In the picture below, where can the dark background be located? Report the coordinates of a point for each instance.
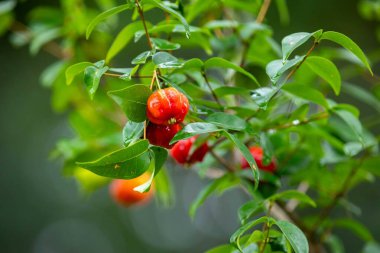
(43, 212)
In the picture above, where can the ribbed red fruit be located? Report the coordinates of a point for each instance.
(167, 106)
(161, 135)
(181, 151)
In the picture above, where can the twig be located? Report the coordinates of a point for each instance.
(211, 90)
(222, 161)
(263, 11)
(141, 14)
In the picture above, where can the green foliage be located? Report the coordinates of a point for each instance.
(253, 91)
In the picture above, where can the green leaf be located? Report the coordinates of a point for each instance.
(44, 37)
(371, 247)
(132, 131)
(348, 44)
(104, 15)
(246, 154)
(218, 185)
(249, 209)
(262, 96)
(193, 129)
(235, 238)
(217, 62)
(295, 236)
(327, 70)
(160, 155)
(123, 38)
(227, 121)
(164, 189)
(92, 76)
(351, 121)
(165, 60)
(133, 101)
(307, 93)
(362, 94)
(162, 44)
(227, 90)
(126, 163)
(335, 244)
(276, 68)
(141, 58)
(145, 187)
(174, 13)
(127, 73)
(293, 41)
(51, 73)
(7, 6)
(352, 148)
(356, 227)
(74, 70)
(293, 194)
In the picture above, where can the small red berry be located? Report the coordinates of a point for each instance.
(181, 151)
(258, 155)
(161, 135)
(122, 190)
(167, 106)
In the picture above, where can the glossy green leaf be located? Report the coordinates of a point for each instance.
(104, 15)
(92, 76)
(42, 38)
(246, 154)
(174, 13)
(160, 156)
(293, 194)
(123, 38)
(127, 73)
(250, 209)
(227, 121)
(262, 96)
(352, 148)
(295, 236)
(348, 44)
(356, 227)
(217, 186)
(162, 44)
(164, 189)
(217, 62)
(362, 94)
(165, 60)
(306, 92)
(7, 6)
(293, 41)
(193, 129)
(327, 70)
(235, 238)
(141, 58)
(352, 122)
(276, 68)
(133, 101)
(132, 132)
(227, 90)
(145, 187)
(372, 247)
(126, 163)
(89, 181)
(74, 70)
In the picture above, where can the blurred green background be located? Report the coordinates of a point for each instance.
(43, 212)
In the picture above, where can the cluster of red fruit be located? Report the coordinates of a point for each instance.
(166, 110)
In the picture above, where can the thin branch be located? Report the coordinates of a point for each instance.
(211, 90)
(141, 14)
(340, 194)
(263, 11)
(222, 161)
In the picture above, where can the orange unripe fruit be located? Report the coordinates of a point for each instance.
(122, 191)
